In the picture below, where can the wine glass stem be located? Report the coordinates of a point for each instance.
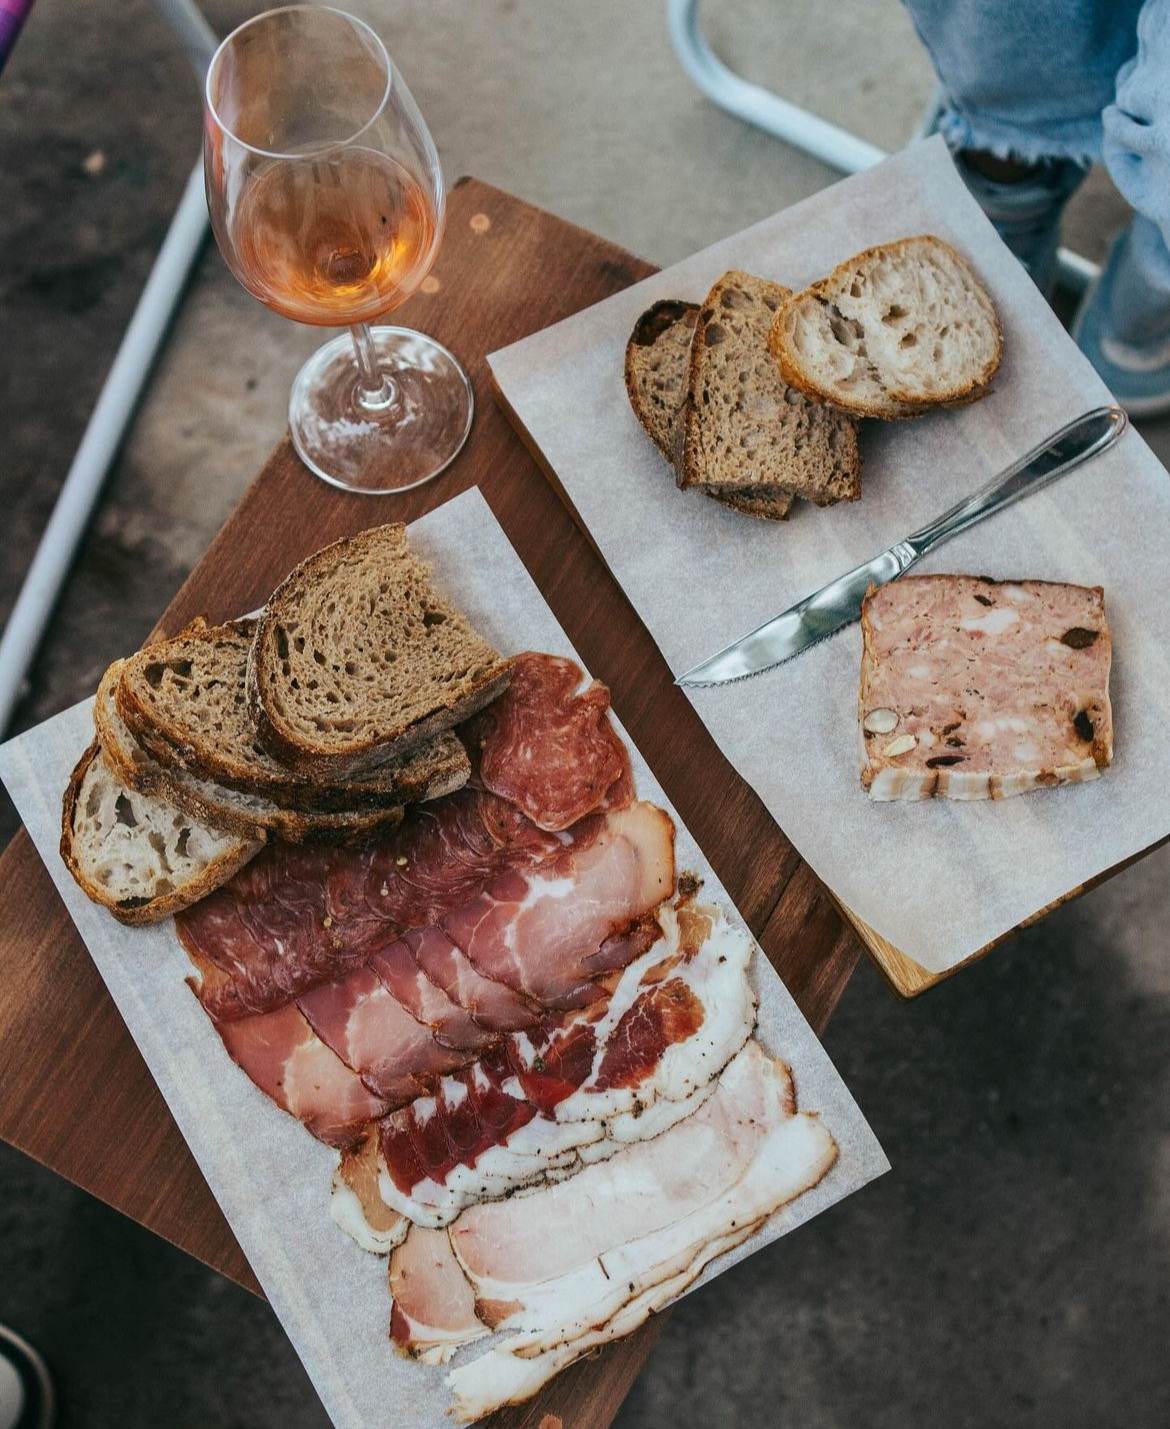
(375, 390)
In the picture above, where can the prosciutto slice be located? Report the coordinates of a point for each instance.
(547, 744)
(289, 1062)
(491, 1005)
(395, 1055)
(544, 932)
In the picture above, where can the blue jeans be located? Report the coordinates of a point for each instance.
(1064, 79)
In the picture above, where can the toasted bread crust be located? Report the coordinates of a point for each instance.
(653, 324)
(136, 912)
(900, 404)
(198, 797)
(362, 754)
(686, 455)
(215, 762)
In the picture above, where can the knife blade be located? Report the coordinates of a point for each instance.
(838, 604)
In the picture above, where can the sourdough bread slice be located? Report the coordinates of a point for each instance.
(657, 359)
(357, 660)
(137, 855)
(742, 430)
(898, 329)
(184, 701)
(248, 815)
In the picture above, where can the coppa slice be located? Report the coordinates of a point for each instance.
(978, 689)
(742, 430)
(357, 659)
(546, 932)
(657, 357)
(304, 916)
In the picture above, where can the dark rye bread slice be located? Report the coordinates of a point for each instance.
(891, 332)
(137, 855)
(357, 659)
(657, 358)
(248, 815)
(184, 700)
(742, 428)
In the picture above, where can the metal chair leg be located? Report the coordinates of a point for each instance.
(116, 402)
(808, 132)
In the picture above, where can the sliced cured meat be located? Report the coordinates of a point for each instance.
(298, 916)
(493, 1005)
(503, 1376)
(507, 1246)
(700, 962)
(289, 1062)
(401, 975)
(547, 745)
(355, 1205)
(433, 1304)
(669, 1034)
(544, 932)
(396, 1056)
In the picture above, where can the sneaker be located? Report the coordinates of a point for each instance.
(26, 1391)
(1025, 203)
(1123, 323)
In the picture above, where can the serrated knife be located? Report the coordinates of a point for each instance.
(838, 604)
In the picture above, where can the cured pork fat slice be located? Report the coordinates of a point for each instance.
(568, 1266)
(979, 689)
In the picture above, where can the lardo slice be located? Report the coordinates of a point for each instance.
(978, 689)
(896, 329)
(657, 358)
(358, 659)
(137, 855)
(744, 431)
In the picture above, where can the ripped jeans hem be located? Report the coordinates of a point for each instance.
(1082, 145)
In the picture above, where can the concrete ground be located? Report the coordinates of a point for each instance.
(1012, 1270)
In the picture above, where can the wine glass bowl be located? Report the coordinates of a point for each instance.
(327, 202)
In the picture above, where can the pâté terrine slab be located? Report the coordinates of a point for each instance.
(973, 688)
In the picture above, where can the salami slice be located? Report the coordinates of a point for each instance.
(548, 746)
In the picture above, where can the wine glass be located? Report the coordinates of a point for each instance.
(327, 203)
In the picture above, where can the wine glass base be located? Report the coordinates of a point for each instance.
(374, 450)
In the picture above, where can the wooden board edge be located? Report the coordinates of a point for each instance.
(909, 979)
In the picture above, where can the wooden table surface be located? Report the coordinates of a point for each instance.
(74, 1092)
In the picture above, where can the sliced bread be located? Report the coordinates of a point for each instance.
(248, 815)
(742, 430)
(657, 360)
(357, 660)
(184, 701)
(139, 856)
(895, 330)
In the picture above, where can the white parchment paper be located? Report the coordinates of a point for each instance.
(271, 1178)
(939, 879)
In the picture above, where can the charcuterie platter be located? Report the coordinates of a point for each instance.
(414, 1061)
(822, 397)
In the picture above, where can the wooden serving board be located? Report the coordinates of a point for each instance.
(74, 1092)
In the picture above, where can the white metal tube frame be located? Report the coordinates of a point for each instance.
(116, 402)
(827, 142)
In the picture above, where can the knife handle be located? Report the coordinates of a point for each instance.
(1085, 437)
